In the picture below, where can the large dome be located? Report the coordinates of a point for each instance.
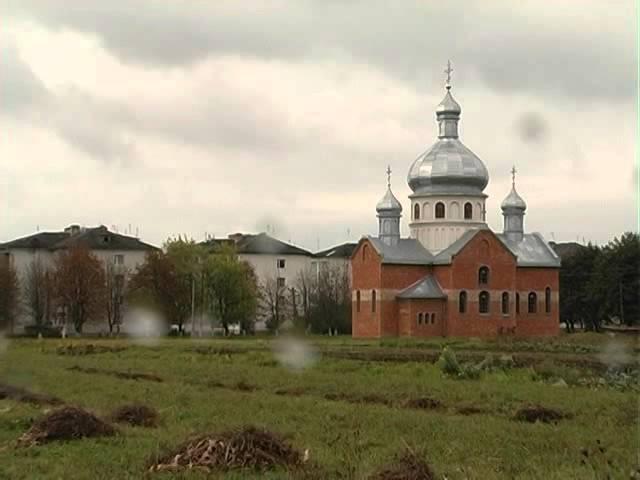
(448, 166)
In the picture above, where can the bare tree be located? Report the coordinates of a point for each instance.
(9, 294)
(115, 293)
(37, 291)
(273, 304)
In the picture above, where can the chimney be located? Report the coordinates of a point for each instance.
(72, 229)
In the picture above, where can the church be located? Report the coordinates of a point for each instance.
(454, 276)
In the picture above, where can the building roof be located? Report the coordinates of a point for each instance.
(98, 238)
(566, 249)
(344, 250)
(427, 287)
(408, 251)
(389, 203)
(532, 251)
(445, 256)
(260, 243)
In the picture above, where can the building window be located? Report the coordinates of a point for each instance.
(440, 210)
(533, 302)
(483, 302)
(483, 275)
(373, 301)
(118, 259)
(281, 282)
(468, 211)
(416, 212)
(505, 303)
(433, 318)
(357, 300)
(462, 302)
(420, 318)
(281, 263)
(517, 303)
(547, 300)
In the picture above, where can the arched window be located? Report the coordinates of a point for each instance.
(433, 318)
(505, 303)
(483, 302)
(357, 300)
(533, 302)
(439, 210)
(462, 302)
(420, 318)
(454, 210)
(373, 300)
(517, 303)
(547, 300)
(483, 275)
(365, 251)
(416, 212)
(468, 211)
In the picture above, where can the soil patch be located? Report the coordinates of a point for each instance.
(371, 398)
(244, 387)
(248, 448)
(135, 414)
(536, 413)
(66, 423)
(424, 403)
(114, 373)
(22, 395)
(292, 392)
(406, 467)
(88, 349)
(470, 410)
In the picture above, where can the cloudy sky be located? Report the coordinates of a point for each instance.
(193, 117)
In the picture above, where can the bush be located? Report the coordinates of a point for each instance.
(48, 331)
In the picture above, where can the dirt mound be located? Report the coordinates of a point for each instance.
(250, 448)
(406, 467)
(22, 395)
(371, 398)
(66, 423)
(293, 392)
(424, 403)
(469, 410)
(126, 375)
(135, 414)
(244, 386)
(536, 413)
(88, 349)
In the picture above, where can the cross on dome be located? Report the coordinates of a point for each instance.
(448, 71)
(513, 176)
(389, 176)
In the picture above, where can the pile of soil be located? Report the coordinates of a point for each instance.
(22, 395)
(66, 423)
(424, 403)
(135, 414)
(244, 386)
(469, 410)
(126, 375)
(88, 349)
(249, 448)
(406, 467)
(292, 392)
(536, 413)
(370, 398)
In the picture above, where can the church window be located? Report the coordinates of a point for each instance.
(439, 210)
(547, 300)
(420, 318)
(505, 303)
(483, 302)
(462, 302)
(483, 275)
(373, 301)
(468, 211)
(365, 251)
(533, 302)
(416, 212)
(517, 303)
(433, 318)
(358, 301)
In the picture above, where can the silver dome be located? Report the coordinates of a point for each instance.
(389, 204)
(448, 104)
(513, 200)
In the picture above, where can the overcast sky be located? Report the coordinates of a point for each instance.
(193, 117)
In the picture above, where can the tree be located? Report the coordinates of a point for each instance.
(231, 289)
(79, 284)
(9, 295)
(330, 303)
(273, 304)
(114, 298)
(577, 304)
(37, 291)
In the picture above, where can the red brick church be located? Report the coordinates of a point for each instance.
(454, 276)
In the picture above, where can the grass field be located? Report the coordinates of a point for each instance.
(348, 408)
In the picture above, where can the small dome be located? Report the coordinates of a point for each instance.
(448, 104)
(513, 200)
(389, 204)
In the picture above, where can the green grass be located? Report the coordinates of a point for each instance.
(485, 446)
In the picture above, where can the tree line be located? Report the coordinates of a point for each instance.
(183, 284)
(600, 285)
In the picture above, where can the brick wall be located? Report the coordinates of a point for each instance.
(541, 323)
(365, 268)
(408, 320)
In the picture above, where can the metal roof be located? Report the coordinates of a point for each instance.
(389, 203)
(427, 287)
(344, 250)
(260, 243)
(408, 251)
(532, 251)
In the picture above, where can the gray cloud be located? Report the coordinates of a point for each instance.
(20, 88)
(526, 53)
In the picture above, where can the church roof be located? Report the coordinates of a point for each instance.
(532, 251)
(513, 200)
(446, 256)
(408, 251)
(344, 250)
(389, 203)
(427, 287)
